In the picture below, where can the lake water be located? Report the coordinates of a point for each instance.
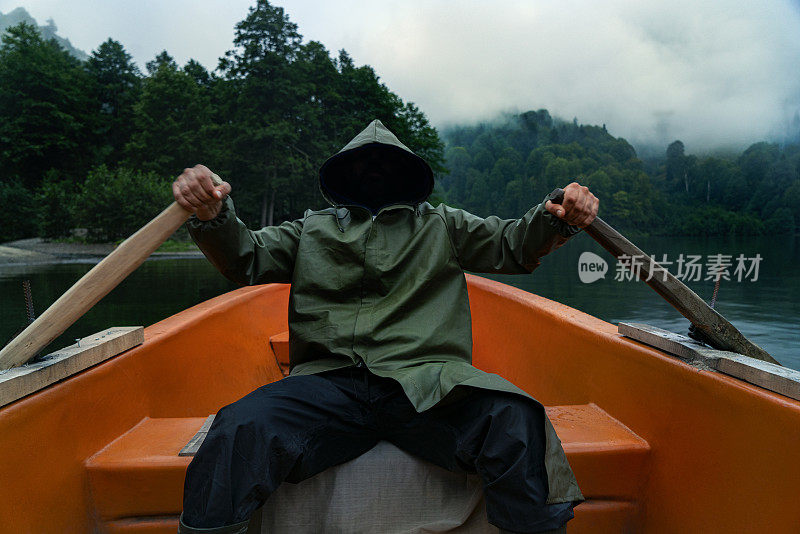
(766, 310)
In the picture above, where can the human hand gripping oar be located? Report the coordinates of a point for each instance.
(722, 334)
(202, 195)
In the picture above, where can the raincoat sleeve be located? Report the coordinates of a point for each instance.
(245, 256)
(495, 245)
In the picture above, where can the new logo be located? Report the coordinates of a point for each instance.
(591, 267)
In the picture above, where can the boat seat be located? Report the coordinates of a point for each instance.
(137, 483)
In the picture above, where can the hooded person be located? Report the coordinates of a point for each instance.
(380, 346)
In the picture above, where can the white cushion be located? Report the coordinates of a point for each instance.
(383, 491)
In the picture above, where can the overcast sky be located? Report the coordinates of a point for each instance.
(713, 74)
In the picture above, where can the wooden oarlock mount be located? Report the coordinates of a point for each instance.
(767, 375)
(20, 381)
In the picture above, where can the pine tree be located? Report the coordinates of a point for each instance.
(171, 119)
(45, 114)
(262, 127)
(117, 85)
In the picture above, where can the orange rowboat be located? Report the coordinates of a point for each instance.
(657, 445)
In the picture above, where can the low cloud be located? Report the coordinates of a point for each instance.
(713, 74)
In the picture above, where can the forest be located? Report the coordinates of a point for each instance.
(506, 166)
(95, 143)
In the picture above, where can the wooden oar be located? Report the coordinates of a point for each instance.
(93, 286)
(722, 334)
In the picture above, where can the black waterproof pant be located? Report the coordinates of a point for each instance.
(296, 427)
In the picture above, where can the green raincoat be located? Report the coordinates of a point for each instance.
(389, 290)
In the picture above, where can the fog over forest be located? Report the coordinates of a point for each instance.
(279, 103)
(715, 75)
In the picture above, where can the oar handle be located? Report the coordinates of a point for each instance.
(719, 330)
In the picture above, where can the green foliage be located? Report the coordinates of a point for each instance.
(264, 133)
(714, 221)
(782, 221)
(507, 168)
(45, 119)
(756, 161)
(290, 105)
(791, 201)
(117, 86)
(752, 194)
(767, 196)
(277, 107)
(17, 211)
(677, 172)
(113, 204)
(172, 119)
(55, 201)
(271, 114)
(173, 245)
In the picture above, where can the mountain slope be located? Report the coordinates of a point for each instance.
(48, 32)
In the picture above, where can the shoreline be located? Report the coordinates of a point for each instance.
(37, 251)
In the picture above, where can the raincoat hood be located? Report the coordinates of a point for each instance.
(405, 178)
